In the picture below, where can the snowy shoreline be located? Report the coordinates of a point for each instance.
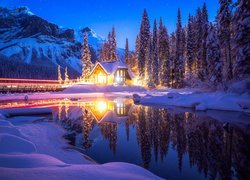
(32, 149)
(201, 101)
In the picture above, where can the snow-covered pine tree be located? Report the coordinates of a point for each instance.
(204, 44)
(144, 36)
(136, 62)
(190, 48)
(86, 58)
(172, 50)
(155, 67)
(104, 52)
(164, 55)
(66, 80)
(149, 74)
(242, 39)
(59, 74)
(178, 63)
(113, 55)
(183, 50)
(224, 19)
(127, 53)
(215, 63)
(198, 44)
(108, 47)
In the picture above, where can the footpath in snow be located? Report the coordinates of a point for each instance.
(33, 148)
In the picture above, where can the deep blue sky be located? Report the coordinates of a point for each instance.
(101, 15)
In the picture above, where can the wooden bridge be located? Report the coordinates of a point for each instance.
(8, 85)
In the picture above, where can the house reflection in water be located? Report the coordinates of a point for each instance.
(109, 110)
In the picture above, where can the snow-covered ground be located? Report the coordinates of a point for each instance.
(78, 91)
(35, 149)
(200, 101)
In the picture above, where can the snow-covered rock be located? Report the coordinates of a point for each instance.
(136, 98)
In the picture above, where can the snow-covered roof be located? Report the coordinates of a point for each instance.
(111, 67)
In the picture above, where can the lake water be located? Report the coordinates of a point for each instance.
(173, 143)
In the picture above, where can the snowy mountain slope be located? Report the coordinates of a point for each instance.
(27, 38)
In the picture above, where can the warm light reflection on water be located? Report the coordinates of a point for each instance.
(172, 143)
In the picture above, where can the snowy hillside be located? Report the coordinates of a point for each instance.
(27, 38)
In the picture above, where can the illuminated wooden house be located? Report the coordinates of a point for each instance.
(107, 73)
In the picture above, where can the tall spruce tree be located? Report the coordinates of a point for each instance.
(104, 52)
(190, 48)
(242, 39)
(179, 62)
(165, 68)
(144, 40)
(164, 55)
(172, 49)
(149, 64)
(86, 58)
(127, 53)
(135, 63)
(155, 67)
(224, 19)
(198, 45)
(113, 55)
(203, 73)
(215, 63)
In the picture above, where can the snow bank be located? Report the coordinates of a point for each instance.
(29, 161)
(201, 101)
(105, 171)
(14, 144)
(44, 156)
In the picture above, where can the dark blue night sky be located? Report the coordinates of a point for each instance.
(101, 15)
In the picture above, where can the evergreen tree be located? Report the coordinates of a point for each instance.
(127, 53)
(242, 39)
(136, 62)
(155, 67)
(112, 43)
(198, 45)
(66, 80)
(215, 63)
(224, 19)
(190, 47)
(178, 63)
(104, 52)
(86, 58)
(144, 39)
(164, 55)
(172, 50)
(59, 75)
(149, 64)
(204, 44)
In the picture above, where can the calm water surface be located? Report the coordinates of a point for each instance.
(171, 143)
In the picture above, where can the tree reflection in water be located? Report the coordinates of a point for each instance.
(216, 151)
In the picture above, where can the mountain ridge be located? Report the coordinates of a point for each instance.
(30, 39)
